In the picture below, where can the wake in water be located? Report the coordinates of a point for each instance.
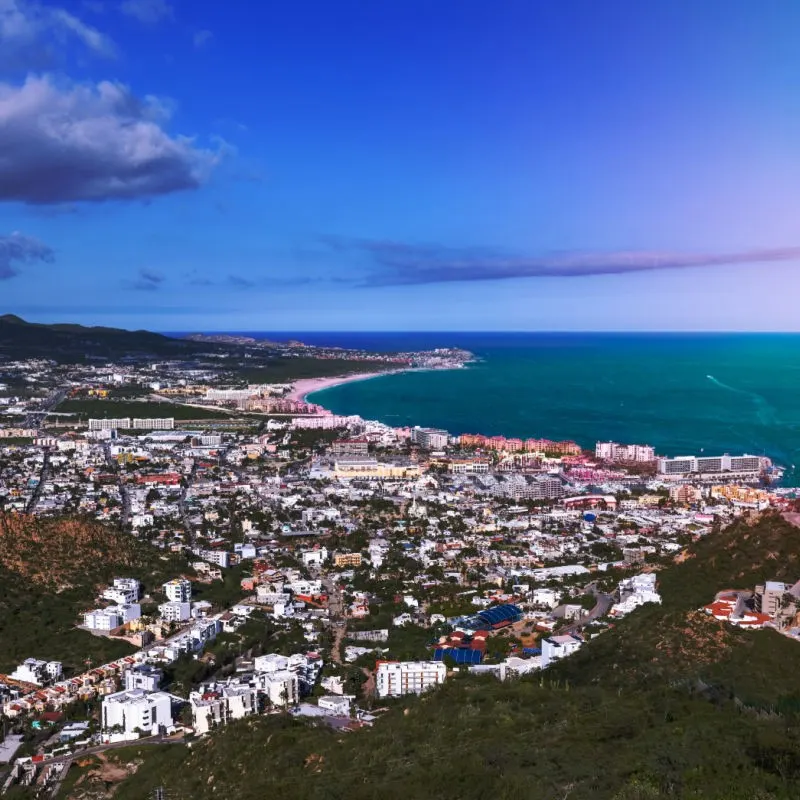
(765, 413)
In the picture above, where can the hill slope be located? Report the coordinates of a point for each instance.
(50, 571)
(21, 339)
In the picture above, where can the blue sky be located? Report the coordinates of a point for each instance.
(401, 165)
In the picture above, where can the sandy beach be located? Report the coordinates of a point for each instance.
(304, 387)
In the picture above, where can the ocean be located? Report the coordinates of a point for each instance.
(681, 393)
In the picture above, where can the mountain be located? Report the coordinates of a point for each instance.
(68, 342)
(668, 704)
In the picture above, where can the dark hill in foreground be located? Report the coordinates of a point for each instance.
(667, 705)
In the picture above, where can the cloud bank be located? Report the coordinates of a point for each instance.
(398, 263)
(16, 250)
(148, 11)
(147, 281)
(91, 142)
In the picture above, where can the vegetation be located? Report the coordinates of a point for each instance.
(50, 571)
(123, 408)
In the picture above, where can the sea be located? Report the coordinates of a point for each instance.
(685, 394)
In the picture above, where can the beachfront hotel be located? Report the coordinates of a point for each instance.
(744, 465)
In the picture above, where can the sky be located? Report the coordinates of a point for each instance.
(183, 165)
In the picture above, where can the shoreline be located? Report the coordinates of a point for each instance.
(302, 389)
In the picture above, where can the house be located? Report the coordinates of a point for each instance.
(135, 710)
(37, 672)
(399, 678)
(218, 705)
(556, 647)
(142, 676)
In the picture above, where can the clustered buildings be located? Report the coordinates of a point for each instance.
(318, 514)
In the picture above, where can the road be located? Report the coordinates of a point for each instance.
(35, 419)
(337, 618)
(101, 748)
(124, 494)
(37, 492)
(601, 608)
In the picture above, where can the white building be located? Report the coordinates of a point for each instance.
(745, 465)
(175, 612)
(556, 647)
(122, 591)
(142, 676)
(315, 557)
(281, 687)
(37, 672)
(430, 438)
(398, 678)
(178, 590)
(635, 592)
(611, 451)
(137, 710)
(218, 705)
(107, 619)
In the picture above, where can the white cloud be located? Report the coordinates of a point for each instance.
(30, 33)
(92, 142)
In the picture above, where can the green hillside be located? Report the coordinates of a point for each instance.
(50, 571)
(669, 704)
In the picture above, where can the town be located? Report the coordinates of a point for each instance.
(326, 565)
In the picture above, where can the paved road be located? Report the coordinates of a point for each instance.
(37, 492)
(35, 419)
(601, 608)
(101, 748)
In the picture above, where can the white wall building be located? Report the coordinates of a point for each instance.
(142, 676)
(123, 590)
(219, 705)
(175, 612)
(398, 678)
(136, 709)
(178, 590)
(611, 451)
(556, 647)
(37, 672)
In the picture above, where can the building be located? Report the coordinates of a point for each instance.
(430, 438)
(399, 678)
(178, 590)
(347, 560)
(37, 672)
(556, 647)
(217, 705)
(280, 687)
(122, 591)
(350, 447)
(611, 451)
(137, 711)
(175, 612)
(769, 596)
(107, 619)
(468, 466)
(685, 493)
(358, 467)
(142, 676)
(126, 423)
(744, 466)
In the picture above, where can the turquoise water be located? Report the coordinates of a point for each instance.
(679, 392)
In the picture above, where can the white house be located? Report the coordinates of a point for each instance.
(37, 672)
(398, 678)
(137, 710)
(175, 612)
(281, 687)
(219, 705)
(123, 591)
(556, 647)
(142, 676)
(178, 590)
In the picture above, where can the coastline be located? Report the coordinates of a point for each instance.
(307, 386)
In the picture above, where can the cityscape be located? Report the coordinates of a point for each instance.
(399, 399)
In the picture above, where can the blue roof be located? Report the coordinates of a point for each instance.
(460, 656)
(505, 613)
